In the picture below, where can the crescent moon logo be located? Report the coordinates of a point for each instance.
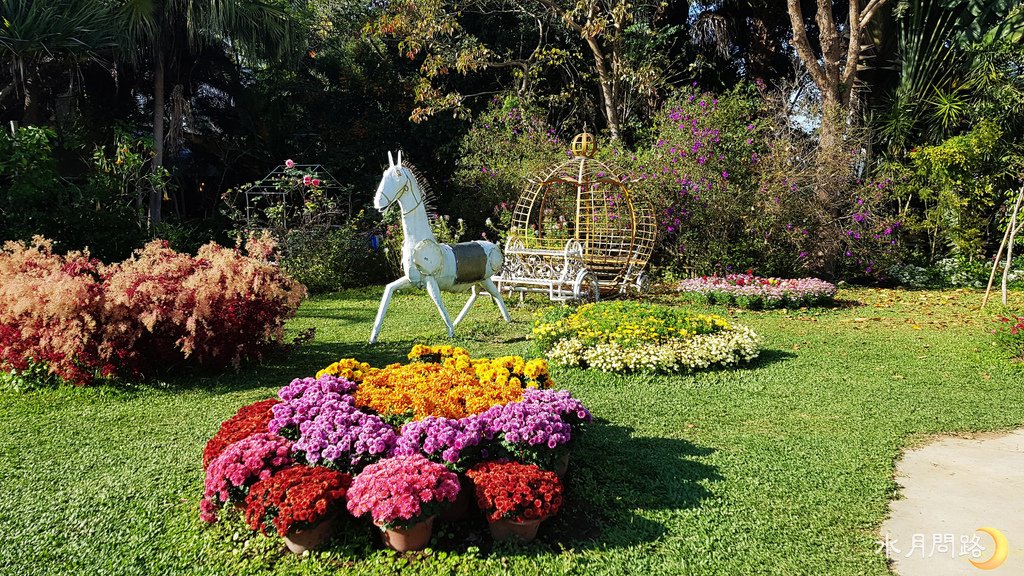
(999, 555)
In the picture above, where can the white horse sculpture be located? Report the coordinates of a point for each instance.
(426, 262)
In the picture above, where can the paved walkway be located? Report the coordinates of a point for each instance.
(950, 489)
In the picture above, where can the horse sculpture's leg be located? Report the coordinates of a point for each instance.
(384, 301)
(465, 309)
(435, 293)
(488, 285)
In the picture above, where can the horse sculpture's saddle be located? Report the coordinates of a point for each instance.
(470, 262)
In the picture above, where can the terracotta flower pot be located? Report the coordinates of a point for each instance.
(415, 537)
(298, 541)
(502, 530)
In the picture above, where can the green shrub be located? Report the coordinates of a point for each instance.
(334, 259)
(1010, 334)
(97, 212)
(507, 144)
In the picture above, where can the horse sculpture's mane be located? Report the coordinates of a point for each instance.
(428, 192)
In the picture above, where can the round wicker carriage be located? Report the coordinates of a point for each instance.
(586, 203)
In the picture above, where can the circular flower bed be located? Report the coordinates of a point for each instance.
(390, 443)
(754, 292)
(630, 336)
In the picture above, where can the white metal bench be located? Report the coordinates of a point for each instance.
(561, 274)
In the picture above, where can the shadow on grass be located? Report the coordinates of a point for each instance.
(769, 357)
(612, 474)
(277, 368)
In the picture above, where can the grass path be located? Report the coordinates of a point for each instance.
(782, 467)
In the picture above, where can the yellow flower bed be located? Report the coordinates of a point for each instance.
(441, 381)
(626, 336)
(349, 369)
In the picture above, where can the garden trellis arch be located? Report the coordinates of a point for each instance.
(282, 185)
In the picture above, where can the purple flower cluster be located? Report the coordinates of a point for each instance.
(444, 439)
(342, 436)
(529, 424)
(542, 421)
(560, 402)
(304, 399)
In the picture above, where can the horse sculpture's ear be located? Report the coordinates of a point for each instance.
(391, 160)
(399, 157)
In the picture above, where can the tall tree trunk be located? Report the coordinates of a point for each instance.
(30, 114)
(156, 195)
(836, 72)
(607, 82)
(833, 120)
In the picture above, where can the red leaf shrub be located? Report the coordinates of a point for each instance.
(50, 310)
(514, 491)
(80, 318)
(296, 498)
(250, 419)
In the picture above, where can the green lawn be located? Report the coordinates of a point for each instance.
(781, 467)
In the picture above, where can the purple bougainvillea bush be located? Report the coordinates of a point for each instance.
(755, 292)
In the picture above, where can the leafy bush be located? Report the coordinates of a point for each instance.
(82, 319)
(507, 144)
(952, 192)
(737, 185)
(51, 306)
(333, 259)
(699, 172)
(1010, 334)
(955, 271)
(97, 211)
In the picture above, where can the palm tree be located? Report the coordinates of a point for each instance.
(35, 35)
(153, 31)
(941, 75)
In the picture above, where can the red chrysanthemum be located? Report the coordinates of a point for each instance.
(296, 498)
(249, 420)
(514, 491)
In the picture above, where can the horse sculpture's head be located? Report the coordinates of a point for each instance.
(393, 182)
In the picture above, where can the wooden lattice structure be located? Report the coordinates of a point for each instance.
(588, 201)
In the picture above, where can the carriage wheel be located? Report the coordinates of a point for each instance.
(640, 285)
(586, 287)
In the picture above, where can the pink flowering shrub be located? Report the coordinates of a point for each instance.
(402, 491)
(241, 465)
(80, 319)
(216, 309)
